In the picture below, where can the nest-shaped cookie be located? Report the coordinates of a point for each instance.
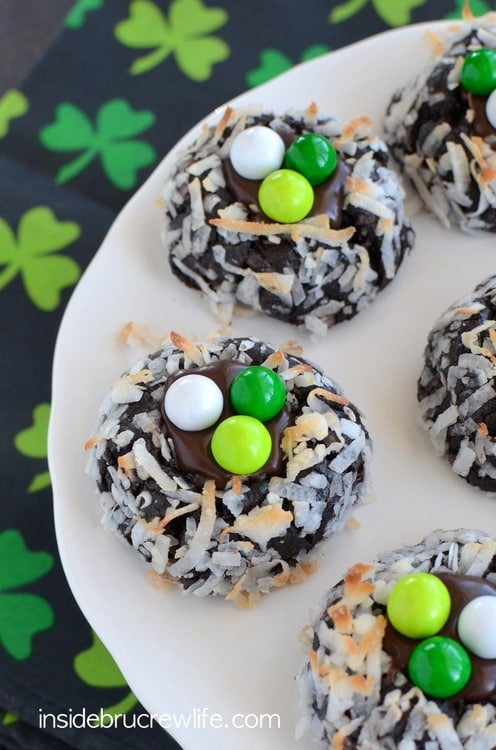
(457, 386)
(351, 694)
(308, 274)
(432, 130)
(257, 532)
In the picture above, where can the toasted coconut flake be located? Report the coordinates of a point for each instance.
(176, 513)
(187, 347)
(274, 360)
(159, 580)
(143, 376)
(126, 462)
(329, 396)
(135, 335)
(317, 232)
(438, 45)
(223, 122)
(261, 524)
(91, 443)
(279, 284)
(354, 126)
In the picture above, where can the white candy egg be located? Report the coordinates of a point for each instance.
(491, 109)
(477, 626)
(193, 402)
(256, 152)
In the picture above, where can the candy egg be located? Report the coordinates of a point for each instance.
(193, 402)
(257, 392)
(241, 444)
(313, 156)
(285, 196)
(477, 626)
(419, 605)
(256, 152)
(478, 73)
(491, 109)
(439, 666)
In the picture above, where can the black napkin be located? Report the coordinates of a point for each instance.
(120, 85)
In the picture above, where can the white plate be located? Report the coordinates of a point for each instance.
(183, 655)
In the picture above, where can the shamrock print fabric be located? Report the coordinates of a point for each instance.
(122, 82)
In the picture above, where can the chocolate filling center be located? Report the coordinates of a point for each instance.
(462, 589)
(192, 449)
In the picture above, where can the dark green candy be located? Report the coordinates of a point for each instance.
(439, 666)
(313, 156)
(478, 74)
(257, 392)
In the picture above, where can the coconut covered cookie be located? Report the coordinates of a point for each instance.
(457, 386)
(226, 464)
(442, 128)
(296, 215)
(401, 653)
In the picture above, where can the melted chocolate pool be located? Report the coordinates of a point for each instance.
(462, 589)
(192, 449)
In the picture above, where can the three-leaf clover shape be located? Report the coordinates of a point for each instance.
(22, 614)
(33, 254)
(96, 667)
(32, 442)
(185, 33)
(392, 12)
(112, 139)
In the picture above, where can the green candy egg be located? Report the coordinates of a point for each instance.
(285, 196)
(419, 605)
(439, 666)
(241, 444)
(313, 156)
(258, 392)
(479, 71)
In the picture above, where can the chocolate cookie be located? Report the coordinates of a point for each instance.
(456, 388)
(365, 684)
(243, 241)
(229, 490)
(442, 128)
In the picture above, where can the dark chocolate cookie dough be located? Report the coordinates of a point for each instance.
(456, 388)
(313, 273)
(438, 131)
(207, 530)
(356, 694)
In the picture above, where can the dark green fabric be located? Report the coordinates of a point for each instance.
(120, 85)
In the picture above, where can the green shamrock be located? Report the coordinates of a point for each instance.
(77, 15)
(96, 667)
(32, 442)
(478, 8)
(112, 140)
(183, 33)
(31, 254)
(22, 615)
(392, 12)
(273, 62)
(12, 104)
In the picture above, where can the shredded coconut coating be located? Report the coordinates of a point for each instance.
(457, 386)
(429, 127)
(351, 696)
(258, 532)
(307, 274)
